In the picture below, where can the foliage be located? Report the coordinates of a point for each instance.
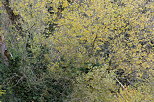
(78, 50)
(132, 95)
(95, 86)
(2, 92)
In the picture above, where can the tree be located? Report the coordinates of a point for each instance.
(102, 49)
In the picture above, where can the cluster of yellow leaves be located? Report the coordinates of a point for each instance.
(1, 91)
(87, 26)
(132, 95)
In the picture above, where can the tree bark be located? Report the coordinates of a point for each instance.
(14, 18)
(6, 56)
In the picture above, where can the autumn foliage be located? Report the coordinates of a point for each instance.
(78, 50)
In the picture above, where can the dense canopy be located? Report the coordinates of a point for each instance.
(76, 51)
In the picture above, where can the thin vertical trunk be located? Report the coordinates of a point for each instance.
(6, 56)
(14, 18)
